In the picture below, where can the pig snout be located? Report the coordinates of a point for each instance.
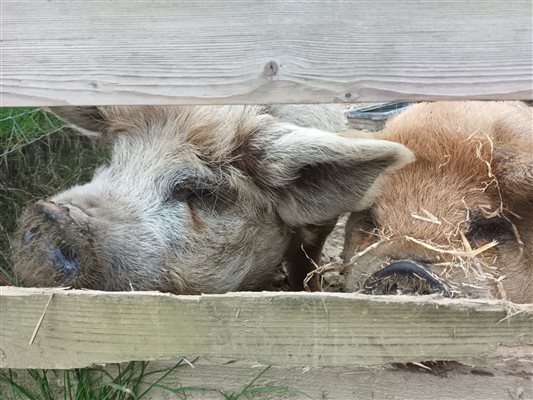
(51, 211)
(44, 249)
(394, 276)
(62, 256)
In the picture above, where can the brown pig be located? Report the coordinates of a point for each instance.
(201, 199)
(459, 220)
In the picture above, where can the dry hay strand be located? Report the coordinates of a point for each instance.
(469, 253)
(466, 271)
(339, 267)
(399, 284)
(465, 275)
(470, 260)
(476, 275)
(368, 249)
(321, 272)
(501, 211)
(428, 218)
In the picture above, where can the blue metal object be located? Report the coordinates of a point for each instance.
(376, 112)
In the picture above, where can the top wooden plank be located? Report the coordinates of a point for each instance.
(244, 51)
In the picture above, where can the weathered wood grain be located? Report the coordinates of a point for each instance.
(510, 380)
(246, 51)
(445, 381)
(80, 328)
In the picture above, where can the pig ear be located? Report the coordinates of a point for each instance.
(89, 120)
(319, 175)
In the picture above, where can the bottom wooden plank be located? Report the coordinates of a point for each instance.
(54, 328)
(213, 379)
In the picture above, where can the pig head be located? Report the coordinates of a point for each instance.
(459, 220)
(200, 199)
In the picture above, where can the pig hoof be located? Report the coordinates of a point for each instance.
(405, 277)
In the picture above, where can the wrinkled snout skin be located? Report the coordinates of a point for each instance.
(463, 210)
(201, 199)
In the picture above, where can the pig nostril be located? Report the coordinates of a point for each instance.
(407, 269)
(50, 210)
(29, 235)
(64, 258)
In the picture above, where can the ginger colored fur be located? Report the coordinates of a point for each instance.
(474, 175)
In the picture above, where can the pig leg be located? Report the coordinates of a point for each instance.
(302, 261)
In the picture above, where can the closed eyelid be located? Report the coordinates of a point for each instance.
(496, 226)
(192, 183)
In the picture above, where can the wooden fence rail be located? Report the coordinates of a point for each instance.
(272, 51)
(55, 328)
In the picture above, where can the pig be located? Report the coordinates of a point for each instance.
(201, 199)
(459, 220)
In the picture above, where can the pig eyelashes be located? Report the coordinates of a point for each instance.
(188, 194)
(202, 196)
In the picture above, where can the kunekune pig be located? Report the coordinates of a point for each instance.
(201, 199)
(459, 220)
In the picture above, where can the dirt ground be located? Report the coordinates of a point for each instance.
(334, 243)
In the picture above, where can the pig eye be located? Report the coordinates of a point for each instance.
(496, 228)
(188, 194)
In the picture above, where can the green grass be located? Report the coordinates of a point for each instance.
(135, 381)
(131, 382)
(20, 125)
(38, 157)
(251, 389)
